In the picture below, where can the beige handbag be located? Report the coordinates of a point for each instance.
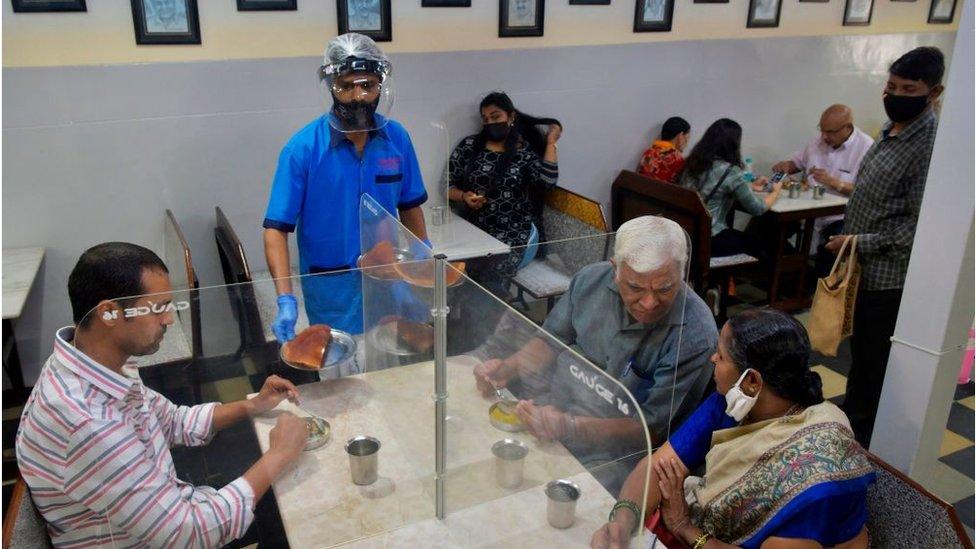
(832, 313)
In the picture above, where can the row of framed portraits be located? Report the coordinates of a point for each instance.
(178, 21)
(765, 13)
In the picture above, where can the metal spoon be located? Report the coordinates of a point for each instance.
(506, 399)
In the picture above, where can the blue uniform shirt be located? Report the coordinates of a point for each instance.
(317, 190)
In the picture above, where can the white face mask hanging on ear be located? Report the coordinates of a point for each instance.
(737, 403)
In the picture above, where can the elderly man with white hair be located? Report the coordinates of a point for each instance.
(635, 318)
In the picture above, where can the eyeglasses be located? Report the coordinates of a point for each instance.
(832, 132)
(367, 86)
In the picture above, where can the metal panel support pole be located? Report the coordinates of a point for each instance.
(440, 312)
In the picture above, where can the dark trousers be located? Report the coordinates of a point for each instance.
(875, 313)
(731, 242)
(825, 259)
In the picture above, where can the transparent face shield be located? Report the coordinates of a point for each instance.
(358, 94)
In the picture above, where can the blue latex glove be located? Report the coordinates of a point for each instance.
(427, 243)
(284, 324)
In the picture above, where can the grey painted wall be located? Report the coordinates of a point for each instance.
(97, 153)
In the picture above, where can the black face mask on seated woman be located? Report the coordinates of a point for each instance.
(496, 131)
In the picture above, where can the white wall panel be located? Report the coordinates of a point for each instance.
(97, 153)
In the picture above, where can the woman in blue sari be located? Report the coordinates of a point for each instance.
(781, 467)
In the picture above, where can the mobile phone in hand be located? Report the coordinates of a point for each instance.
(777, 177)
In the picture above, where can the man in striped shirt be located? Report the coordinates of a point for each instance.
(93, 444)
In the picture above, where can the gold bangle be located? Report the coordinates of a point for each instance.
(702, 540)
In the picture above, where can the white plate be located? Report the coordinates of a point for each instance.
(317, 440)
(384, 337)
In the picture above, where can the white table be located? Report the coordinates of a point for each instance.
(20, 266)
(320, 506)
(806, 210)
(458, 239)
(806, 203)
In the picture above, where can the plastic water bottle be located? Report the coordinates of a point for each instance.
(749, 175)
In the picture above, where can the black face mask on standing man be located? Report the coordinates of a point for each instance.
(902, 108)
(355, 115)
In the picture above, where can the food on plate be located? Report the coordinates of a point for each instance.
(421, 273)
(309, 347)
(415, 335)
(501, 415)
(378, 261)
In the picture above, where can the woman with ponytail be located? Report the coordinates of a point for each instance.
(781, 466)
(498, 177)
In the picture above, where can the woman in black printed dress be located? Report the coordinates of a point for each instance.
(497, 177)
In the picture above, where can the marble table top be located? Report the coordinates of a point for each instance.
(320, 506)
(458, 239)
(806, 202)
(20, 266)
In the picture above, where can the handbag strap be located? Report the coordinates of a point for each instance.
(849, 248)
(716, 187)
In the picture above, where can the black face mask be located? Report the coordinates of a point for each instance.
(357, 115)
(902, 108)
(496, 131)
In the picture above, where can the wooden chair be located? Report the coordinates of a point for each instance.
(903, 514)
(184, 277)
(566, 215)
(238, 278)
(23, 526)
(255, 297)
(183, 344)
(634, 195)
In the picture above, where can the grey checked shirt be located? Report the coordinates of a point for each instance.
(665, 366)
(883, 210)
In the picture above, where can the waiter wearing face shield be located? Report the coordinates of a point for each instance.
(322, 174)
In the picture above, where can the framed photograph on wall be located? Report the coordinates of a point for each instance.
(521, 17)
(28, 6)
(764, 13)
(369, 17)
(445, 3)
(166, 21)
(653, 15)
(942, 11)
(267, 5)
(858, 12)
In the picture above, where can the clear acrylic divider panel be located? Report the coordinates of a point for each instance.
(533, 279)
(433, 145)
(375, 390)
(318, 503)
(589, 402)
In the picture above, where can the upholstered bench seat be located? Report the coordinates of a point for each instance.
(542, 279)
(736, 260)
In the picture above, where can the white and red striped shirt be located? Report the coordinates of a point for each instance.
(93, 447)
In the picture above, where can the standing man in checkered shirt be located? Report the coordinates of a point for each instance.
(882, 214)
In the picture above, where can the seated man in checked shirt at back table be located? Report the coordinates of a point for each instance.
(93, 444)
